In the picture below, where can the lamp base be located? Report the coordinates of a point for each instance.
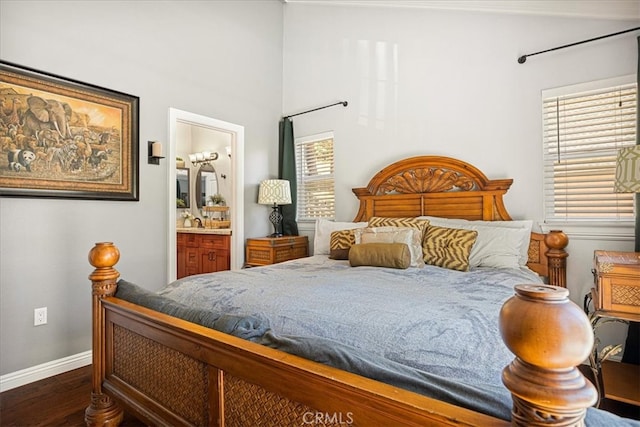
(276, 218)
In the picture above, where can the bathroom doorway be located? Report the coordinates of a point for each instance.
(235, 133)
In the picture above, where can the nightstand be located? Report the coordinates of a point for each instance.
(616, 298)
(272, 250)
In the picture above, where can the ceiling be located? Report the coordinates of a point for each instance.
(603, 9)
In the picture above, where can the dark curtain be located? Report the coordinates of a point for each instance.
(632, 345)
(287, 170)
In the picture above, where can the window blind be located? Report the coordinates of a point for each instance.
(316, 186)
(582, 133)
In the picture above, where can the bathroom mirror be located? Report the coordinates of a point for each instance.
(182, 187)
(206, 184)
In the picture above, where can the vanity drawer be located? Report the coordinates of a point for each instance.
(216, 241)
(189, 240)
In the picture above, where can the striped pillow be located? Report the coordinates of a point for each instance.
(448, 247)
(340, 243)
(410, 222)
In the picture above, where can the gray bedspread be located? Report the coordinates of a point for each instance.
(431, 318)
(430, 330)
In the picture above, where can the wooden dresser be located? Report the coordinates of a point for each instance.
(616, 297)
(272, 250)
(202, 253)
(617, 282)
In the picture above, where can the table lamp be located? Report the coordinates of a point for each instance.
(628, 179)
(275, 192)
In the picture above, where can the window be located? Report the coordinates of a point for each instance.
(314, 169)
(583, 128)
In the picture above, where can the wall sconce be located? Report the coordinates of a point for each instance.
(155, 152)
(203, 158)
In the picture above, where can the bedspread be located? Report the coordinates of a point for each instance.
(428, 330)
(430, 318)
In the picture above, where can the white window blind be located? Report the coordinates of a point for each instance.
(582, 132)
(314, 168)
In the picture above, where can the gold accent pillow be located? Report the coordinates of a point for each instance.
(392, 255)
(448, 247)
(340, 243)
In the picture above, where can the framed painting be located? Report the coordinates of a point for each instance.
(66, 139)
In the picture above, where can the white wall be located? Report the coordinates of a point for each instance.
(446, 83)
(219, 59)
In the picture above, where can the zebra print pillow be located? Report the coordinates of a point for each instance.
(410, 222)
(448, 247)
(340, 243)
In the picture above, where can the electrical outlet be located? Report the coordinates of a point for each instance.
(40, 316)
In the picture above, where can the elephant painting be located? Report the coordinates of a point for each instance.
(46, 114)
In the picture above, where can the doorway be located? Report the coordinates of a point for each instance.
(236, 202)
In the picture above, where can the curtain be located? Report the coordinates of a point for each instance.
(632, 344)
(287, 170)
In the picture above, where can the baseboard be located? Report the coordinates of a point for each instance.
(45, 370)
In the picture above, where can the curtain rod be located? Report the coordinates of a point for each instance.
(344, 103)
(523, 58)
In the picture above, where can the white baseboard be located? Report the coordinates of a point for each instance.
(45, 370)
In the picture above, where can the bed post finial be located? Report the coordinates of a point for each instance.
(102, 411)
(547, 388)
(557, 241)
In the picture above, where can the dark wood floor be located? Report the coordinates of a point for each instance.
(62, 399)
(55, 401)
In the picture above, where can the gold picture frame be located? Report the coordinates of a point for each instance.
(66, 139)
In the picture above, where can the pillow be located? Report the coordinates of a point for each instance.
(410, 222)
(392, 255)
(323, 231)
(411, 237)
(340, 243)
(448, 247)
(492, 241)
(499, 247)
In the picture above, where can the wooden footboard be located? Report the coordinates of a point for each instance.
(167, 371)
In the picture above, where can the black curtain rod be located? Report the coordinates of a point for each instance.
(523, 58)
(344, 103)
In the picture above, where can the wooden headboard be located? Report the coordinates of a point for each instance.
(451, 188)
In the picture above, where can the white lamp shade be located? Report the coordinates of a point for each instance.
(628, 170)
(274, 191)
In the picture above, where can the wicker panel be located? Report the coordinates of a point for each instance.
(246, 404)
(534, 251)
(175, 380)
(283, 254)
(260, 255)
(625, 295)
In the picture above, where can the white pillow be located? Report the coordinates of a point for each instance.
(500, 244)
(324, 228)
(412, 237)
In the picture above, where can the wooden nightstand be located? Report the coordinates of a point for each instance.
(272, 250)
(616, 298)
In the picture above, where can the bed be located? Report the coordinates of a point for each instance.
(168, 360)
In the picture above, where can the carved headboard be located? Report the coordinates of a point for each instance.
(451, 188)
